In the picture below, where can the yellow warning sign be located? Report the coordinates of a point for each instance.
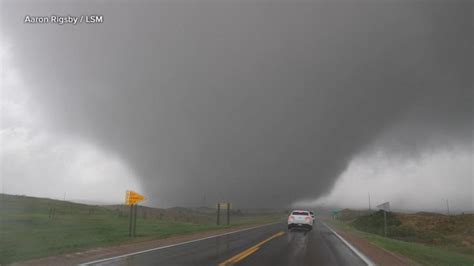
(132, 197)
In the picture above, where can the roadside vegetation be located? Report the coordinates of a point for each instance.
(36, 227)
(427, 238)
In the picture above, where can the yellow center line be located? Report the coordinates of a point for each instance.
(242, 255)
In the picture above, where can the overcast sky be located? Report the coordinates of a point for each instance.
(255, 102)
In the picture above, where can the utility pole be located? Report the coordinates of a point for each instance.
(370, 208)
(218, 212)
(447, 205)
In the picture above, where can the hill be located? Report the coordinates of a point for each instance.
(454, 232)
(33, 227)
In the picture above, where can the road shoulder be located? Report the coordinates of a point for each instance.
(377, 254)
(99, 253)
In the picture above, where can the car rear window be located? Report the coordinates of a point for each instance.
(300, 213)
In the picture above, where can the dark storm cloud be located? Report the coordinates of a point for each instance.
(254, 102)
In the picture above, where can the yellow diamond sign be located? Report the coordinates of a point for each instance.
(132, 197)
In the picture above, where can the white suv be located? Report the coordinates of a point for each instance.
(300, 219)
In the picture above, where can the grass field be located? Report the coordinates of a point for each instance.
(35, 227)
(426, 247)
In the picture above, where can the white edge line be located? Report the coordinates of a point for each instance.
(354, 249)
(173, 245)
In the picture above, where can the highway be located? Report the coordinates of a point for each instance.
(266, 245)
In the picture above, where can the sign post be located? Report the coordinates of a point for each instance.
(132, 198)
(223, 206)
(386, 208)
(130, 221)
(135, 220)
(218, 212)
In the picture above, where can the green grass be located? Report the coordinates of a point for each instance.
(27, 231)
(421, 253)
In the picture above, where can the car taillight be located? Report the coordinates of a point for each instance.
(291, 217)
(307, 218)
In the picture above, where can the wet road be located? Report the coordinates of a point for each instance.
(267, 245)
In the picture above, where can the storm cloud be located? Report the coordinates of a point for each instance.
(256, 102)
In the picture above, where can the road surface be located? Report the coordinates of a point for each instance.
(266, 245)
